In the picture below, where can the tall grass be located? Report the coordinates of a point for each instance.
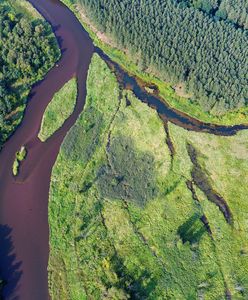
(59, 109)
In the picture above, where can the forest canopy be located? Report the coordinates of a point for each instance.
(27, 51)
(234, 11)
(195, 43)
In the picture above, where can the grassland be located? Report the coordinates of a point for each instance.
(25, 8)
(128, 220)
(224, 161)
(59, 109)
(129, 62)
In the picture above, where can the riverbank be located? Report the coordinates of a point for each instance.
(166, 91)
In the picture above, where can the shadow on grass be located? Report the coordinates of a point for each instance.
(192, 230)
(137, 287)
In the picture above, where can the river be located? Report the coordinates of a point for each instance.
(24, 230)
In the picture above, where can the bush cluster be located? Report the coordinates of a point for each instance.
(130, 174)
(82, 141)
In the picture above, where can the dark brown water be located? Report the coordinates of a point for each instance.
(24, 229)
(24, 232)
(201, 180)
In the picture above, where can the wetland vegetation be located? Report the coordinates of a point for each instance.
(58, 110)
(129, 220)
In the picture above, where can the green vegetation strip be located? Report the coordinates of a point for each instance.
(124, 223)
(59, 109)
(19, 157)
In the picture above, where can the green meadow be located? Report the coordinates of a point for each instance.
(134, 218)
(58, 109)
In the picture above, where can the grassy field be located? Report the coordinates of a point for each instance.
(129, 62)
(59, 109)
(25, 8)
(224, 161)
(129, 220)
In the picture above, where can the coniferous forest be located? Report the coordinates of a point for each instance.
(234, 11)
(200, 44)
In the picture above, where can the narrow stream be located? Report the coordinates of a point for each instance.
(24, 231)
(164, 110)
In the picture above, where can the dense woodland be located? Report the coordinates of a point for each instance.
(27, 52)
(198, 43)
(234, 11)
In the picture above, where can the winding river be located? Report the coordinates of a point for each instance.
(24, 231)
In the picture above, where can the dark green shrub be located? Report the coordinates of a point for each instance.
(130, 174)
(81, 141)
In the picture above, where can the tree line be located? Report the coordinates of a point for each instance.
(27, 51)
(183, 44)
